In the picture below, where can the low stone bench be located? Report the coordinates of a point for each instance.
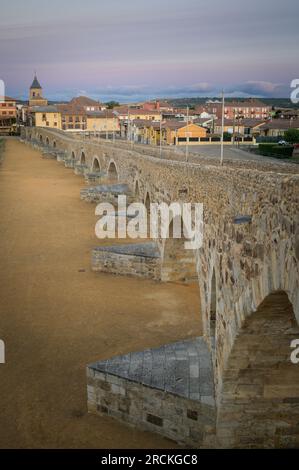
(60, 155)
(80, 169)
(94, 177)
(49, 154)
(69, 163)
(168, 390)
(106, 193)
(135, 259)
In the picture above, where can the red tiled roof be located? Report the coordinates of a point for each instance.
(84, 101)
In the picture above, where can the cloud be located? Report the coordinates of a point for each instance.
(257, 88)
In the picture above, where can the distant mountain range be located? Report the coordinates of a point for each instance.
(191, 102)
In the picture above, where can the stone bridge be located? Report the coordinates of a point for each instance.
(248, 276)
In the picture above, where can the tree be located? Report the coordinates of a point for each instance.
(111, 104)
(292, 136)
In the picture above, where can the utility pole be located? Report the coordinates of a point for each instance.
(234, 126)
(106, 125)
(187, 135)
(222, 130)
(160, 136)
(128, 123)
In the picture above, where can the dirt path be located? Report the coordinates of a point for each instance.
(55, 319)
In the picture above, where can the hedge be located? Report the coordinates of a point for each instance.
(274, 150)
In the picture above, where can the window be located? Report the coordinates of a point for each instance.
(47, 123)
(44, 118)
(55, 124)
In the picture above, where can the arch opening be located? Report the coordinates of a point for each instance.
(73, 156)
(260, 386)
(40, 138)
(179, 263)
(147, 202)
(96, 166)
(47, 141)
(112, 172)
(82, 159)
(137, 190)
(54, 144)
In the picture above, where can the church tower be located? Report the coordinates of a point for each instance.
(36, 94)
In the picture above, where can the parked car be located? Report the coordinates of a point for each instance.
(282, 142)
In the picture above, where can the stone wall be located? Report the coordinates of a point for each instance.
(249, 260)
(141, 260)
(260, 396)
(168, 390)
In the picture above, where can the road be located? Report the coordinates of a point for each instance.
(230, 153)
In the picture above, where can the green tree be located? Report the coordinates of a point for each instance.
(111, 104)
(292, 136)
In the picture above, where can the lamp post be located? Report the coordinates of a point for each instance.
(187, 136)
(222, 130)
(160, 136)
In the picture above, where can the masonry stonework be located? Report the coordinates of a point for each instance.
(250, 247)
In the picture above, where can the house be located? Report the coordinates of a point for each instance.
(8, 115)
(47, 116)
(102, 121)
(244, 108)
(88, 104)
(8, 107)
(246, 127)
(156, 106)
(278, 127)
(130, 114)
(204, 122)
(180, 133)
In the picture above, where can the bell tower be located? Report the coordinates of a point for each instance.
(36, 94)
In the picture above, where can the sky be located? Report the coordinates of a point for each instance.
(131, 50)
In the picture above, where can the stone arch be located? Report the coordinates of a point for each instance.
(47, 141)
(178, 263)
(41, 138)
(82, 158)
(260, 386)
(112, 172)
(54, 144)
(147, 201)
(96, 167)
(137, 190)
(73, 156)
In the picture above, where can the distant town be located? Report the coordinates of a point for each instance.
(156, 122)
